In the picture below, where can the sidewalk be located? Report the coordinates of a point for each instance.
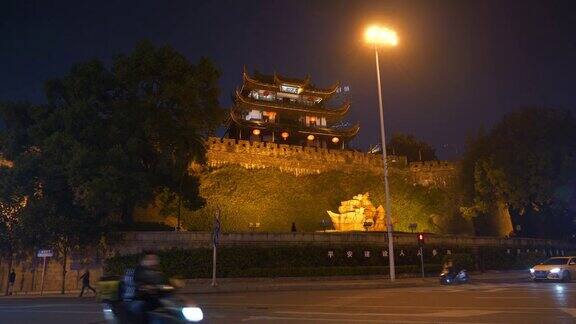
(48, 293)
(232, 285)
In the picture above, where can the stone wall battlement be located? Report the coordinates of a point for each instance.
(294, 159)
(434, 173)
(426, 166)
(284, 150)
(300, 160)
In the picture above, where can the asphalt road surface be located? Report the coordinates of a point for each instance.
(514, 302)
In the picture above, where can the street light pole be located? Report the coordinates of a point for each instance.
(385, 163)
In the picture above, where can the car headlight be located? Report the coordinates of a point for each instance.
(532, 270)
(555, 270)
(192, 314)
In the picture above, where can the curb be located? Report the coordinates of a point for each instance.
(68, 294)
(299, 287)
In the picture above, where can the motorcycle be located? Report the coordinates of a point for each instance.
(170, 307)
(448, 277)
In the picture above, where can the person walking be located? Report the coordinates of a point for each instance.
(86, 283)
(11, 281)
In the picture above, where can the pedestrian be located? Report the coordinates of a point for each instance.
(86, 282)
(11, 281)
(293, 227)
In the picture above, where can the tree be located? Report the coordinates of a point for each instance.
(411, 147)
(106, 141)
(9, 222)
(527, 163)
(134, 129)
(14, 142)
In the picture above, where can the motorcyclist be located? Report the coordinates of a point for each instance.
(448, 268)
(147, 278)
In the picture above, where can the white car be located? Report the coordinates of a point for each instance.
(557, 268)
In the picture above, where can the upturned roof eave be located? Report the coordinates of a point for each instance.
(253, 83)
(333, 113)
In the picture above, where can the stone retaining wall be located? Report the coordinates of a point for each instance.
(138, 242)
(29, 276)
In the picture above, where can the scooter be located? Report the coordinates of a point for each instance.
(171, 308)
(448, 277)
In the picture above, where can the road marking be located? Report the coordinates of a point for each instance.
(502, 308)
(318, 319)
(315, 319)
(571, 311)
(506, 297)
(449, 313)
(496, 290)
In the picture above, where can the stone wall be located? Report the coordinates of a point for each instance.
(138, 242)
(29, 276)
(300, 160)
(297, 160)
(434, 173)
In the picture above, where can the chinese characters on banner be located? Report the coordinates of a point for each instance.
(368, 253)
(434, 252)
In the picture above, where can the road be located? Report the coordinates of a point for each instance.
(514, 302)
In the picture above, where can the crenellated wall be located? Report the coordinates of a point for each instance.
(300, 160)
(293, 159)
(434, 173)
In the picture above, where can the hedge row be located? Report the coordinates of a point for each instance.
(510, 259)
(252, 261)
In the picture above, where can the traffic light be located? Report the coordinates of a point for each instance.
(420, 238)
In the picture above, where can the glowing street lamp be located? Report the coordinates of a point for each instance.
(379, 36)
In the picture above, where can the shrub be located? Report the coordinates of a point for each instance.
(145, 227)
(461, 261)
(303, 260)
(242, 261)
(512, 259)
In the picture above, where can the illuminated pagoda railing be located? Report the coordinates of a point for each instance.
(289, 111)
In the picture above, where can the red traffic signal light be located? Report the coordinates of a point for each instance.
(420, 238)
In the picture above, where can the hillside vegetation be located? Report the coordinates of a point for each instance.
(276, 199)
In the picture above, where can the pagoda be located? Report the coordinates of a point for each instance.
(273, 108)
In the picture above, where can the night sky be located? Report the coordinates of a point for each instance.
(460, 64)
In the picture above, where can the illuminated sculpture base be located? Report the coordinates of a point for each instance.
(358, 214)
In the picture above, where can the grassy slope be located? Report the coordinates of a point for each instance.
(277, 199)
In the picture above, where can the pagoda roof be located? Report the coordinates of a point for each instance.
(337, 113)
(273, 82)
(345, 132)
